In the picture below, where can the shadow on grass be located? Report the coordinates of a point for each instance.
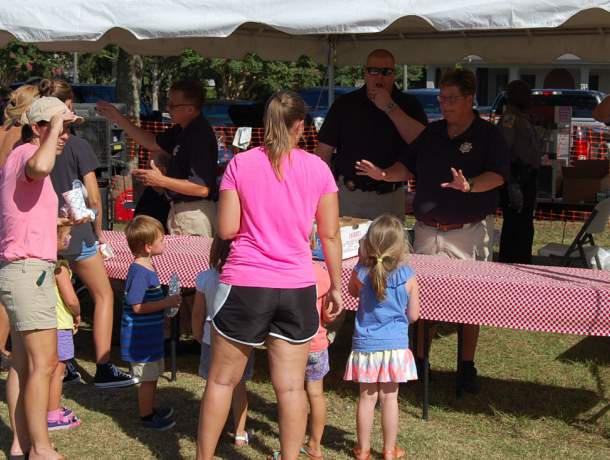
(590, 349)
(6, 434)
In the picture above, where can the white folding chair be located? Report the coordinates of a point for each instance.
(583, 247)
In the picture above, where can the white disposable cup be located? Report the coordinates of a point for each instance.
(76, 204)
(106, 251)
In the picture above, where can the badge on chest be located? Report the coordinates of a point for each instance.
(465, 147)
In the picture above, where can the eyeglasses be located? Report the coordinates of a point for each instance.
(384, 71)
(448, 99)
(174, 106)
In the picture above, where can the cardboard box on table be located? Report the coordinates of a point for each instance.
(582, 181)
(352, 231)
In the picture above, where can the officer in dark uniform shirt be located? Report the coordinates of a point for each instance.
(190, 179)
(519, 194)
(357, 129)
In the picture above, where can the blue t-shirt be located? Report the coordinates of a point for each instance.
(382, 325)
(141, 334)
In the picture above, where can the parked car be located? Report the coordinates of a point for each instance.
(316, 98)
(589, 138)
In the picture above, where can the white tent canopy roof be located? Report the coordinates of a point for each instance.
(431, 32)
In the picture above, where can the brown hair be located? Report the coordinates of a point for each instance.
(219, 252)
(519, 94)
(192, 90)
(18, 103)
(142, 230)
(56, 88)
(382, 250)
(462, 78)
(283, 109)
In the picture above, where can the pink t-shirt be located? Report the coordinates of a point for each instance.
(28, 211)
(320, 341)
(272, 248)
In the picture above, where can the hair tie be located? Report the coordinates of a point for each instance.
(379, 260)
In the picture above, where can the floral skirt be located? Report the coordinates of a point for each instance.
(381, 366)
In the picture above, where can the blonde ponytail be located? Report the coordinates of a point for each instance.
(283, 110)
(382, 250)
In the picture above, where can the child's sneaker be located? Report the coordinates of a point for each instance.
(157, 423)
(71, 375)
(63, 423)
(164, 412)
(109, 376)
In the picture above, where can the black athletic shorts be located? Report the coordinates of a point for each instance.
(249, 314)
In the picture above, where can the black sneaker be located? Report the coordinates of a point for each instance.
(470, 383)
(163, 412)
(109, 376)
(71, 374)
(157, 423)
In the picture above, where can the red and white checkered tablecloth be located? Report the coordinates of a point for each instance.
(531, 297)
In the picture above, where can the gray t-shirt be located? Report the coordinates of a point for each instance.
(77, 160)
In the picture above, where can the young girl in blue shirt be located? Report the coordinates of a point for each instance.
(380, 357)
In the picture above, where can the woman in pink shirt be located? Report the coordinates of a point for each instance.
(269, 197)
(28, 250)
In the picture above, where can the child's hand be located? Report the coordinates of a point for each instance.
(174, 301)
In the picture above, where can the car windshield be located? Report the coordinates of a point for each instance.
(582, 105)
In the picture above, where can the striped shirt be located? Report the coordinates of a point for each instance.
(141, 334)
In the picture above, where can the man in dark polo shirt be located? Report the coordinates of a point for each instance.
(459, 164)
(358, 129)
(190, 179)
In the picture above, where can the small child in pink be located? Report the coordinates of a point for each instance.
(317, 367)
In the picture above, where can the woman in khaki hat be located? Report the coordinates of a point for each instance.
(28, 251)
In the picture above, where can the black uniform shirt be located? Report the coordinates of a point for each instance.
(479, 149)
(194, 153)
(359, 130)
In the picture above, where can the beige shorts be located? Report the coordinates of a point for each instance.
(192, 218)
(27, 291)
(465, 243)
(369, 205)
(148, 372)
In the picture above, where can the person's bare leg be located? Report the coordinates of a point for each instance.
(239, 410)
(91, 271)
(287, 367)
(17, 376)
(366, 414)
(41, 349)
(226, 369)
(146, 398)
(57, 381)
(388, 396)
(5, 329)
(471, 337)
(317, 415)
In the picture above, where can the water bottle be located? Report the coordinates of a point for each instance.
(173, 289)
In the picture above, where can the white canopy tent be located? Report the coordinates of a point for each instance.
(417, 32)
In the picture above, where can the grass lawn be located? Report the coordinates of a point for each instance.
(543, 396)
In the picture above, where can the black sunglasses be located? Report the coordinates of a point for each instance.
(385, 71)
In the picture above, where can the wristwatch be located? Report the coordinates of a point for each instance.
(470, 185)
(388, 108)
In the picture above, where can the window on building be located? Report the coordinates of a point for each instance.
(594, 82)
(530, 79)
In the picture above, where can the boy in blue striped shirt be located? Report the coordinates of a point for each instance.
(143, 317)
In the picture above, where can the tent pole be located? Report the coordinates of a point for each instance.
(331, 70)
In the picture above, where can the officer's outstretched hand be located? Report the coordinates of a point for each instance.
(366, 168)
(459, 182)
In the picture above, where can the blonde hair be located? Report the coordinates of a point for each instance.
(382, 250)
(18, 104)
(142, 230)
(56, 88)
(282, 111)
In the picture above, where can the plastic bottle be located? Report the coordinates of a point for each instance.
(173, 289)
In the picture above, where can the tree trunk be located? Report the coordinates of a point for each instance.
(129, 82)
(156, 77)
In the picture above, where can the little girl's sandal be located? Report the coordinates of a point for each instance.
(397, 452)
(242, 439)
(360, 454)
(305, 450)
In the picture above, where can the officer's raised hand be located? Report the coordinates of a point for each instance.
(459, 181)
